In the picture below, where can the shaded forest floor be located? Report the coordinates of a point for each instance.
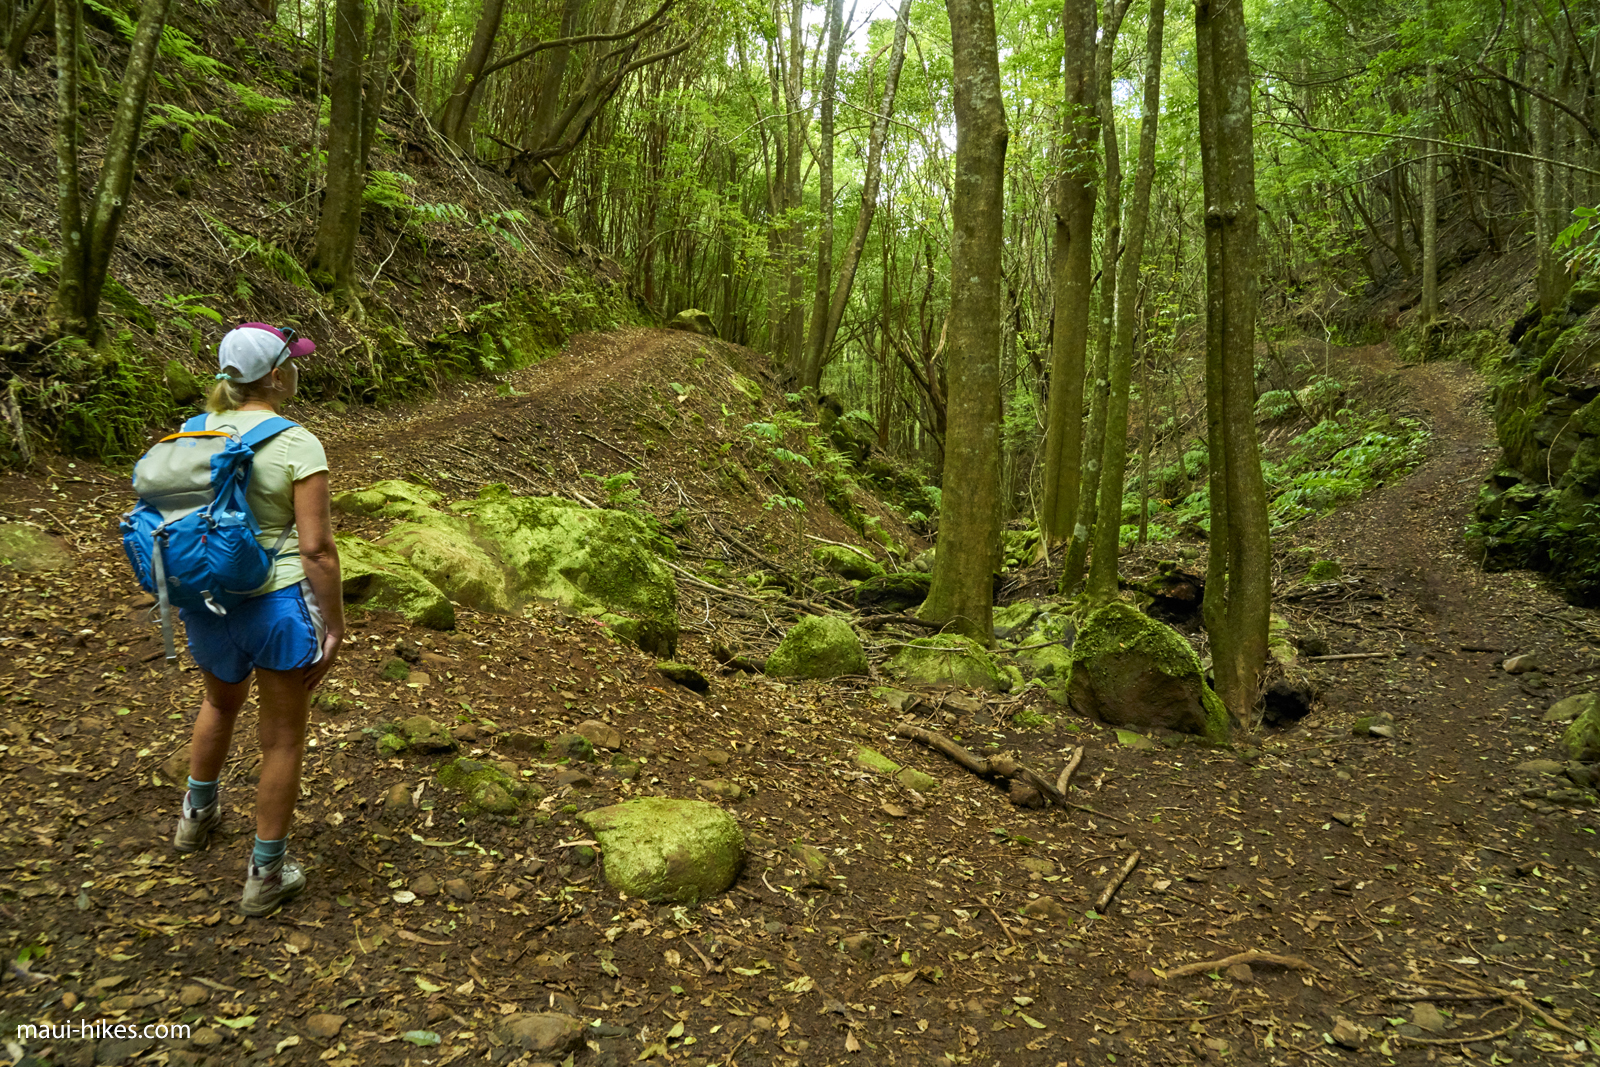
(1435, 891)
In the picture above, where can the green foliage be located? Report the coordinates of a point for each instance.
(259, 104)
(619, 490)
(387, 188)
(266, 253)
(1579, 243)
(1563, 542)
(193, 126)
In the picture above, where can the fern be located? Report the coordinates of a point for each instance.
(266, 253)
(386, 188)
(192, 126)
(258, 104)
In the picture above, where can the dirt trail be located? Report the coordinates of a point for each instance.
(954, 928)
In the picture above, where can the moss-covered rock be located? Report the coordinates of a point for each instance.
(948, 659)
(486, 789)
(444, 552)
(1129, 670)
(419, 733)
(1582, 739)
(1324, 570)
(899, 591)
(1013, 619)
(818, 646)
(846, 562)
(390, 499)
(668, 851)
(30, 549)
(593, 561)
(684, 674)
(184, 387)
(377, 579)
(693, 320)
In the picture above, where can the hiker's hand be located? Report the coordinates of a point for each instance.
(319, 670)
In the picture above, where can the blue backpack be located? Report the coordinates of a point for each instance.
(192, 537)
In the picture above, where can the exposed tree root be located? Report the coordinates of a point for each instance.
(1293, 963)
(1002, 765)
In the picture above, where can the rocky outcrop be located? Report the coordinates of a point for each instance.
(948, 659)
(1129, 670)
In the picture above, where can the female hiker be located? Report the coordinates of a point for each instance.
(286, 635)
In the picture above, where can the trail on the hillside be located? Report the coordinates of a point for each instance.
(1434, 887)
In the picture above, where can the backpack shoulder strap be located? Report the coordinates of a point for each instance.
(267, 430)
(194, 424)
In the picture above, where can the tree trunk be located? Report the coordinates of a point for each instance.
(341, 204)
(1071, 274)
(1072, 564)
(1114, 454)
(816, 352)
(870, 183)
(1428, 315)
(453, 120)
(379, 73)
(39, 15)
(69, 311)
(794, 312)
(961, 594)
(1239, 643)
(555, 72)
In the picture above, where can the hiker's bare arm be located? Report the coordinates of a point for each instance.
(320, 557)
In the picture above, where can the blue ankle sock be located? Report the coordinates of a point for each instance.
(202, 794)
(269, 851)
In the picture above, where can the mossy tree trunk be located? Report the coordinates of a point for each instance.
(1071, 274)
(340, 222)
(1240, 540)
(1077, 554)
(818, 340)
(962, 589)
(1114, 454)
(87, 242)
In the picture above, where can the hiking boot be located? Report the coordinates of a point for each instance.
(195, 825)
(267, 887)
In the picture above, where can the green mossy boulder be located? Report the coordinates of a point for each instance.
(390, 499)
(1324, 570)
(846, 563)
(416, 734)
(818, 646)
(693, 320)
(668, 851)
(948, 659)
(1013, 619)
(29, 549)
(486, 789)
(1129, 670)
(685, 675)
(593, 561)
(1582, 739)
(184, 387)
(445, 554)
(898, 591)
(380, 580)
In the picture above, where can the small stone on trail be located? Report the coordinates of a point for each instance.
(1348, 1034)
(418, 678)
(1428, 1017)
(206, 1037)
(1522, 664)
(1382, 730)
(894, 811)
(543, 1032)
(1143, 977)
(458, 888)
(712, 757)
(685, 675)
(1036, 866)
(465, 732)
(601, 735)
(425, 886)
(1047, 908)
(861, 946)
(912, 778)
(1569, 709)
(1241, 972)
(176, 768)
(720, 787)
(1542, 766)
(325, 1027)
(573, 777)
(1344, 818)
(1023, 795)
(398, 797)
(192, 996)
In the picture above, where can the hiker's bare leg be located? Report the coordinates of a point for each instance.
(213, 730)
(284, 707)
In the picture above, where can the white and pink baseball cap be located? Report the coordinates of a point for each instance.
(250, 352)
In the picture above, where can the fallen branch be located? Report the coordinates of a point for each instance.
(1348, 655)
(1459, 1040)
(858, 551)
(1523, 1002)
(1002, 765)
(1293, 963)
(1067, 771)
(874, 621)
(1103, 901)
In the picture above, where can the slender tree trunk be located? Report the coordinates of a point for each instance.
(961, 594)
(1146, 434)
(540, 129)
(341, 204)
(69, 311)
(379, 74)
(38, 15)
(815, 353)
(794, 312)
(1397, 212)
(1542, 124)
(1114, 455)
(1071, 270)
(1239, 644)
(1072, 564)
(1429, 312)
(454, 117)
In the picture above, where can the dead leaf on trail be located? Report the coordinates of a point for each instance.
(894, 811)
(850, 1042)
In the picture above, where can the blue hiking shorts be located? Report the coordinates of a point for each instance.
(277, 631)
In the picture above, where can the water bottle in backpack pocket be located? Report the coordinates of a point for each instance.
(192, 537)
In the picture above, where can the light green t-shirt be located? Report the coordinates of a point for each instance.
(290, 456)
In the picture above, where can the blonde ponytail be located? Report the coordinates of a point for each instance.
(225, 395)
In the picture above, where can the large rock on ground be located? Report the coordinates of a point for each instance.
(1129, 670)
(668, 851)
(818, 646)
(28, 548)
(390, 498)
(948, 659)
(380, 580)
(484, 787)
(453, 562)
(900, 591)
(693, 320)
(846, 562)
(1582, 739)
(547, 1032)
